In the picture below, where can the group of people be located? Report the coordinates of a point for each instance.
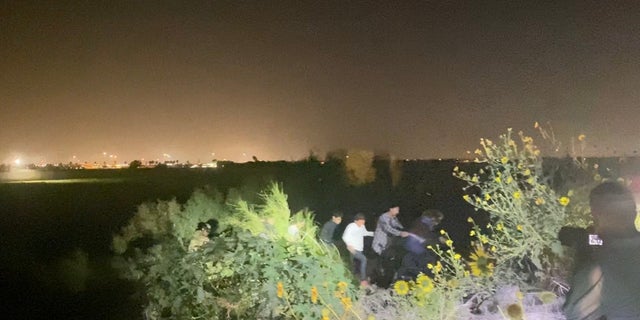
(605, 282)
(388, 230)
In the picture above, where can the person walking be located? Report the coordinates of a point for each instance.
(353, 238)
(387, 230)
(329, 228)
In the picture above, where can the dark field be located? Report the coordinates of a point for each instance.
(56, 230)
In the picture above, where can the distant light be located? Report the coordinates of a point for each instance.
(17, 162)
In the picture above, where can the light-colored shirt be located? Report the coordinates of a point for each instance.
(354, 236)
(198, 240)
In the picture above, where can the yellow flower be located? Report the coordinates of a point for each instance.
(457, 256)
(466, 198)
(499, 226)
(539, 201)
(536, 152)
(517, 195)
(475, 178)
(401, 287)
(547, 297)
(424, 283)
(470, 220)
(484, 239)
(494, 249)
(497, 179)
(342, 287)
(536, 125)
(438, 267)
(509, 179)
(280, 290)
(442, 232)
(519, 227)
(564, 201)
(429, 266)
(527, 172)
(346, 302)
(314, 295)
(449, 242)
(504, 160)
(480, 264)
(472, 233)
(371, 317)
(455, 169)
(581, 137)
(531, 180)
(487, 196)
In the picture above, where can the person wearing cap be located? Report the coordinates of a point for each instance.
(608, 287)
(200, 237)
(353, 238)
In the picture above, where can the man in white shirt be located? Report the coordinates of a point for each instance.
(353, 237)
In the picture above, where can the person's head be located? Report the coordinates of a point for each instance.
(613, 209)
(434, 214)
(394, 210)
(359, 219)
(213, 225)
(204, 228)
(336, 217)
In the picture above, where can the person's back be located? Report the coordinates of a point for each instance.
(422, 232)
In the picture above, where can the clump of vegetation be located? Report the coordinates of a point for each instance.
(525, 214)
(515, 246)
(255, 268)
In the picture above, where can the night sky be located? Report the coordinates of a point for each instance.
(276, 79)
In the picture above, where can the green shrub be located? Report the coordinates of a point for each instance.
(254, 269)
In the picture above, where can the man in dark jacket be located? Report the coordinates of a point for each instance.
(608, 288)
(329, 228)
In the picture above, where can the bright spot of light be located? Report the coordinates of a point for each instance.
(17, 161)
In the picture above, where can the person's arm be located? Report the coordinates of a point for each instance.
(395, 223)
(368, 233)
(386, 226)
